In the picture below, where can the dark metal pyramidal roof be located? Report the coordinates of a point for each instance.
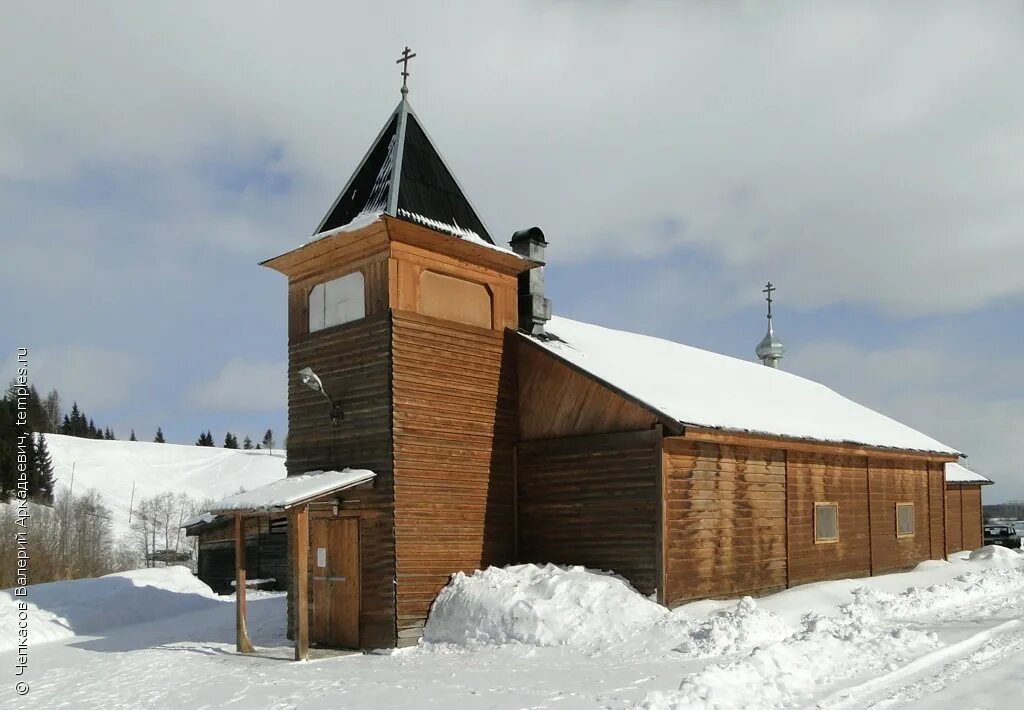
(404, 175)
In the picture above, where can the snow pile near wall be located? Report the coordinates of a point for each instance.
(996, 557)
(741, 628)
(89, 607)
(538, 606)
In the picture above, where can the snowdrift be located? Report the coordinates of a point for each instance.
(538, 606)
(89, 607)
(744, 627)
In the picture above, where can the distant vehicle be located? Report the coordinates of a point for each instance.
(1002, 534)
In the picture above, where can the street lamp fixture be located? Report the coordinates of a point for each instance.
(312, 380)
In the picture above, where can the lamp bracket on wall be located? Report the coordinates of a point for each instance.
(312, 380)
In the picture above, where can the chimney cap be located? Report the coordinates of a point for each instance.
(530, 234)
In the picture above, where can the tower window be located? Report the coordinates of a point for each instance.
(337, 301)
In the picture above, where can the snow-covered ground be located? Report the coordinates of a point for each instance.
(112, 467)
(947, 635)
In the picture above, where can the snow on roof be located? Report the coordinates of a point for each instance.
(958, 473)
(199, 520)
(363, 219)
(292, 490)
(700, 388)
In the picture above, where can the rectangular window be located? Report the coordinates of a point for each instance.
(826, 522)
(338, 301)
(904, 520)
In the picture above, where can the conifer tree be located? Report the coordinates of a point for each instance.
(268, 439)
(247, 443)
(159, 438)
(132, 437)
(230, 441)
(43, 471)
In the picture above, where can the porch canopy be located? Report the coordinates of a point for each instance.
(291, 495)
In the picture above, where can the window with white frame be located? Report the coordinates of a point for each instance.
(337, 301)
(826, 522)
(904, 520)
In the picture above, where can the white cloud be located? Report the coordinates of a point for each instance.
(243, 385)
(856, 153)
(97, 377)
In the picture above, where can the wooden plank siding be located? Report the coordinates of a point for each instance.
(954, 519)
(817, 478)
(354, 362)
(937, 509)
(592, 501)
(740, 520)
(895, 482)
(265, 555)
(557, 401)
(972, 517)
(454, 430)
(725, 526)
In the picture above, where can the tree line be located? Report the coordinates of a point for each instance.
(231, 441)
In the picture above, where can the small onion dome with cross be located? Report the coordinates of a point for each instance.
(769, 350)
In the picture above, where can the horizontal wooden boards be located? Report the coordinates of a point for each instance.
(843, 480)
(593, 501)
(454, 423)
(725, 520)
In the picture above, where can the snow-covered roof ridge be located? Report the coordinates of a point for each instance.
(292, 490)
(958, 473)
(700, 388)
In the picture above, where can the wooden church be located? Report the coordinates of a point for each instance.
(462, 426)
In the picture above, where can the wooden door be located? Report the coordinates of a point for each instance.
(334, 553)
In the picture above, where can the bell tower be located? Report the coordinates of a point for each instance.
(399, 305)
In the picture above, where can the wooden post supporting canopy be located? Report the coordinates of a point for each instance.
(300, 573)
(242, 642)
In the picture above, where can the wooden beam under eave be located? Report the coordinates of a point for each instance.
(300, 573)
(718, 436)
(242, 642)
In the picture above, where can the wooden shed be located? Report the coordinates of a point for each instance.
(424, 352)
(266, 551)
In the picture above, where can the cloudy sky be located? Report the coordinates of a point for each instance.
(868, 159)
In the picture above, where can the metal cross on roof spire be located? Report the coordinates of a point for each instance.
(407, 54)
(768, 289)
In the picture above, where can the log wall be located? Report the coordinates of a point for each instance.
(592, 501)
(963, 517)
(972, 517)
(740, 520)
(354, 362)
(893, 482)
(814, 478)
(265, 556)
(725, 520)
(454, 430)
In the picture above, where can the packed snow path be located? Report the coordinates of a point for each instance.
(948, 635)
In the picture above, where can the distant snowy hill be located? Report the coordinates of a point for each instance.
(111, 467)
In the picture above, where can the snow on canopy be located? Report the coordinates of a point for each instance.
(292, 490)
(958, 473)
(700, 388)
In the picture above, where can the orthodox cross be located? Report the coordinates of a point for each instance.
(404, 61)
(768, 289)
